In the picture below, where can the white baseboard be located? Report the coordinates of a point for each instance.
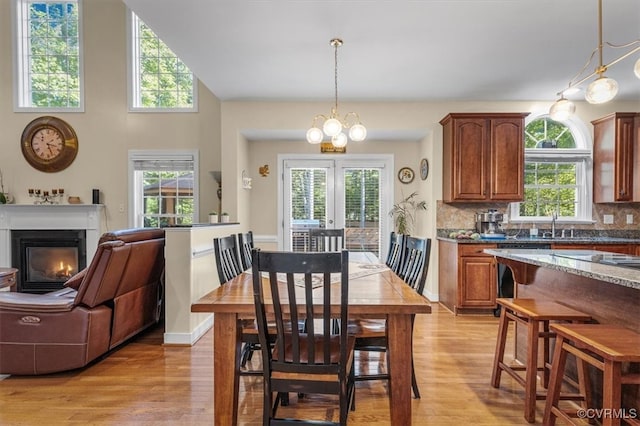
(433, 297)
(189, 338)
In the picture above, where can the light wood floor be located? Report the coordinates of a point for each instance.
(146, 383)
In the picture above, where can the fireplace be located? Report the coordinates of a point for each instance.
(47, 258)
(87, 221)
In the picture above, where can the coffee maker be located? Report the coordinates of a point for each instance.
(489, 224)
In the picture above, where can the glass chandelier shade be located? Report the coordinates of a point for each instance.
(333, 126)
(562, 109)
(601, 90)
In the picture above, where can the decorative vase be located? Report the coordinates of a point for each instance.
(213, 218)
(225, 218)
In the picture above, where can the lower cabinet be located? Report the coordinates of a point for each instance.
(467, 277)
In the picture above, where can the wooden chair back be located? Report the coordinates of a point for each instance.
(304, 285)
(245, 245)
(415, 262)
(226, 253)
(321, 239)
(394, 255)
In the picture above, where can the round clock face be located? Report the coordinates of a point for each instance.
(49, 144)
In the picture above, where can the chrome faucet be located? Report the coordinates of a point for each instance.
(554, 217)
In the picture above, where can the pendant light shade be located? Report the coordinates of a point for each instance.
(562, 109)
(333, 126)
(314, 135)
(601, 90)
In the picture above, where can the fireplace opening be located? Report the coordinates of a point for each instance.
(47, 258)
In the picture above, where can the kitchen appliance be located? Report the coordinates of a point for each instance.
(489, 224)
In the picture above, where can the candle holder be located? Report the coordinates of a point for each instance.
(46, 197)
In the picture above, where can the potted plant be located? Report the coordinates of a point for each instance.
(225, 217)
(404, 213)
(213, 217)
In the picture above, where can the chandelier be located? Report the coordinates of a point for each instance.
(602, 89)
(334, 126)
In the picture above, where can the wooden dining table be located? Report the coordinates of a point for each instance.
(374, 292)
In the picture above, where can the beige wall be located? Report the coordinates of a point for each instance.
(106, 130)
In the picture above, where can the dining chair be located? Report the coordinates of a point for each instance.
(371, 335)
(228, 264)
(313, 361)
(226, 253)
(245, 245)
(394, 255)
(322, 239)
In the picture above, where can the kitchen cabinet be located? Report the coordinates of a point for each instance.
(483, 157)
(467, 277)
(616, 158)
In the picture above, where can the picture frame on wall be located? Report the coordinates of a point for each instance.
(424, 169)
(406, 175)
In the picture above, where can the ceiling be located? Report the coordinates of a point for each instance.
(395, 50)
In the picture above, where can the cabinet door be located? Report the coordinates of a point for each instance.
(470, 163)
(624, 159)
(507, 159)
(478, 281)
(616, 158)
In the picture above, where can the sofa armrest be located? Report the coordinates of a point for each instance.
(57, 301)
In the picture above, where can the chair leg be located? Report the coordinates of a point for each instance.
(533, 333)
(503, 328)
(245, 354)
(612, 391)
(555, 382)
(414, 382)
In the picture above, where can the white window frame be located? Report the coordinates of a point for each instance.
(582, 156)
(21, 61)
(133, 72)
(135, 195)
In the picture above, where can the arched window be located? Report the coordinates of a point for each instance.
(557, 175)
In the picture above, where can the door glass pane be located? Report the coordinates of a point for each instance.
(308, 204)
(362, 209)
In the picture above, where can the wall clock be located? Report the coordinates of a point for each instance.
(406, 175)
(49, 144)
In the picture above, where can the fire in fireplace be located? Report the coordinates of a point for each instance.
(47, 258)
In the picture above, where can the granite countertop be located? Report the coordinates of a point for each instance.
(557, 240)
(619, 275)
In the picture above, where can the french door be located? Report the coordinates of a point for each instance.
(349, 192)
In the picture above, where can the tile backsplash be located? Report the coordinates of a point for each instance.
(462, 216)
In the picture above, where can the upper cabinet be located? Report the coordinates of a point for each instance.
(483, 157)
(616, 158)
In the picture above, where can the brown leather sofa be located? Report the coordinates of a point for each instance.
(117, 296)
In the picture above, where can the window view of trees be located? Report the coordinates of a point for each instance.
(162, 80)
(362, 198)
(49, 55)
(551, 184)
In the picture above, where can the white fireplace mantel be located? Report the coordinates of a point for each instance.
(88, 217)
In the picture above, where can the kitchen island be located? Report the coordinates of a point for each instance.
(585, 280)
(470, 279)
(609, 293)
